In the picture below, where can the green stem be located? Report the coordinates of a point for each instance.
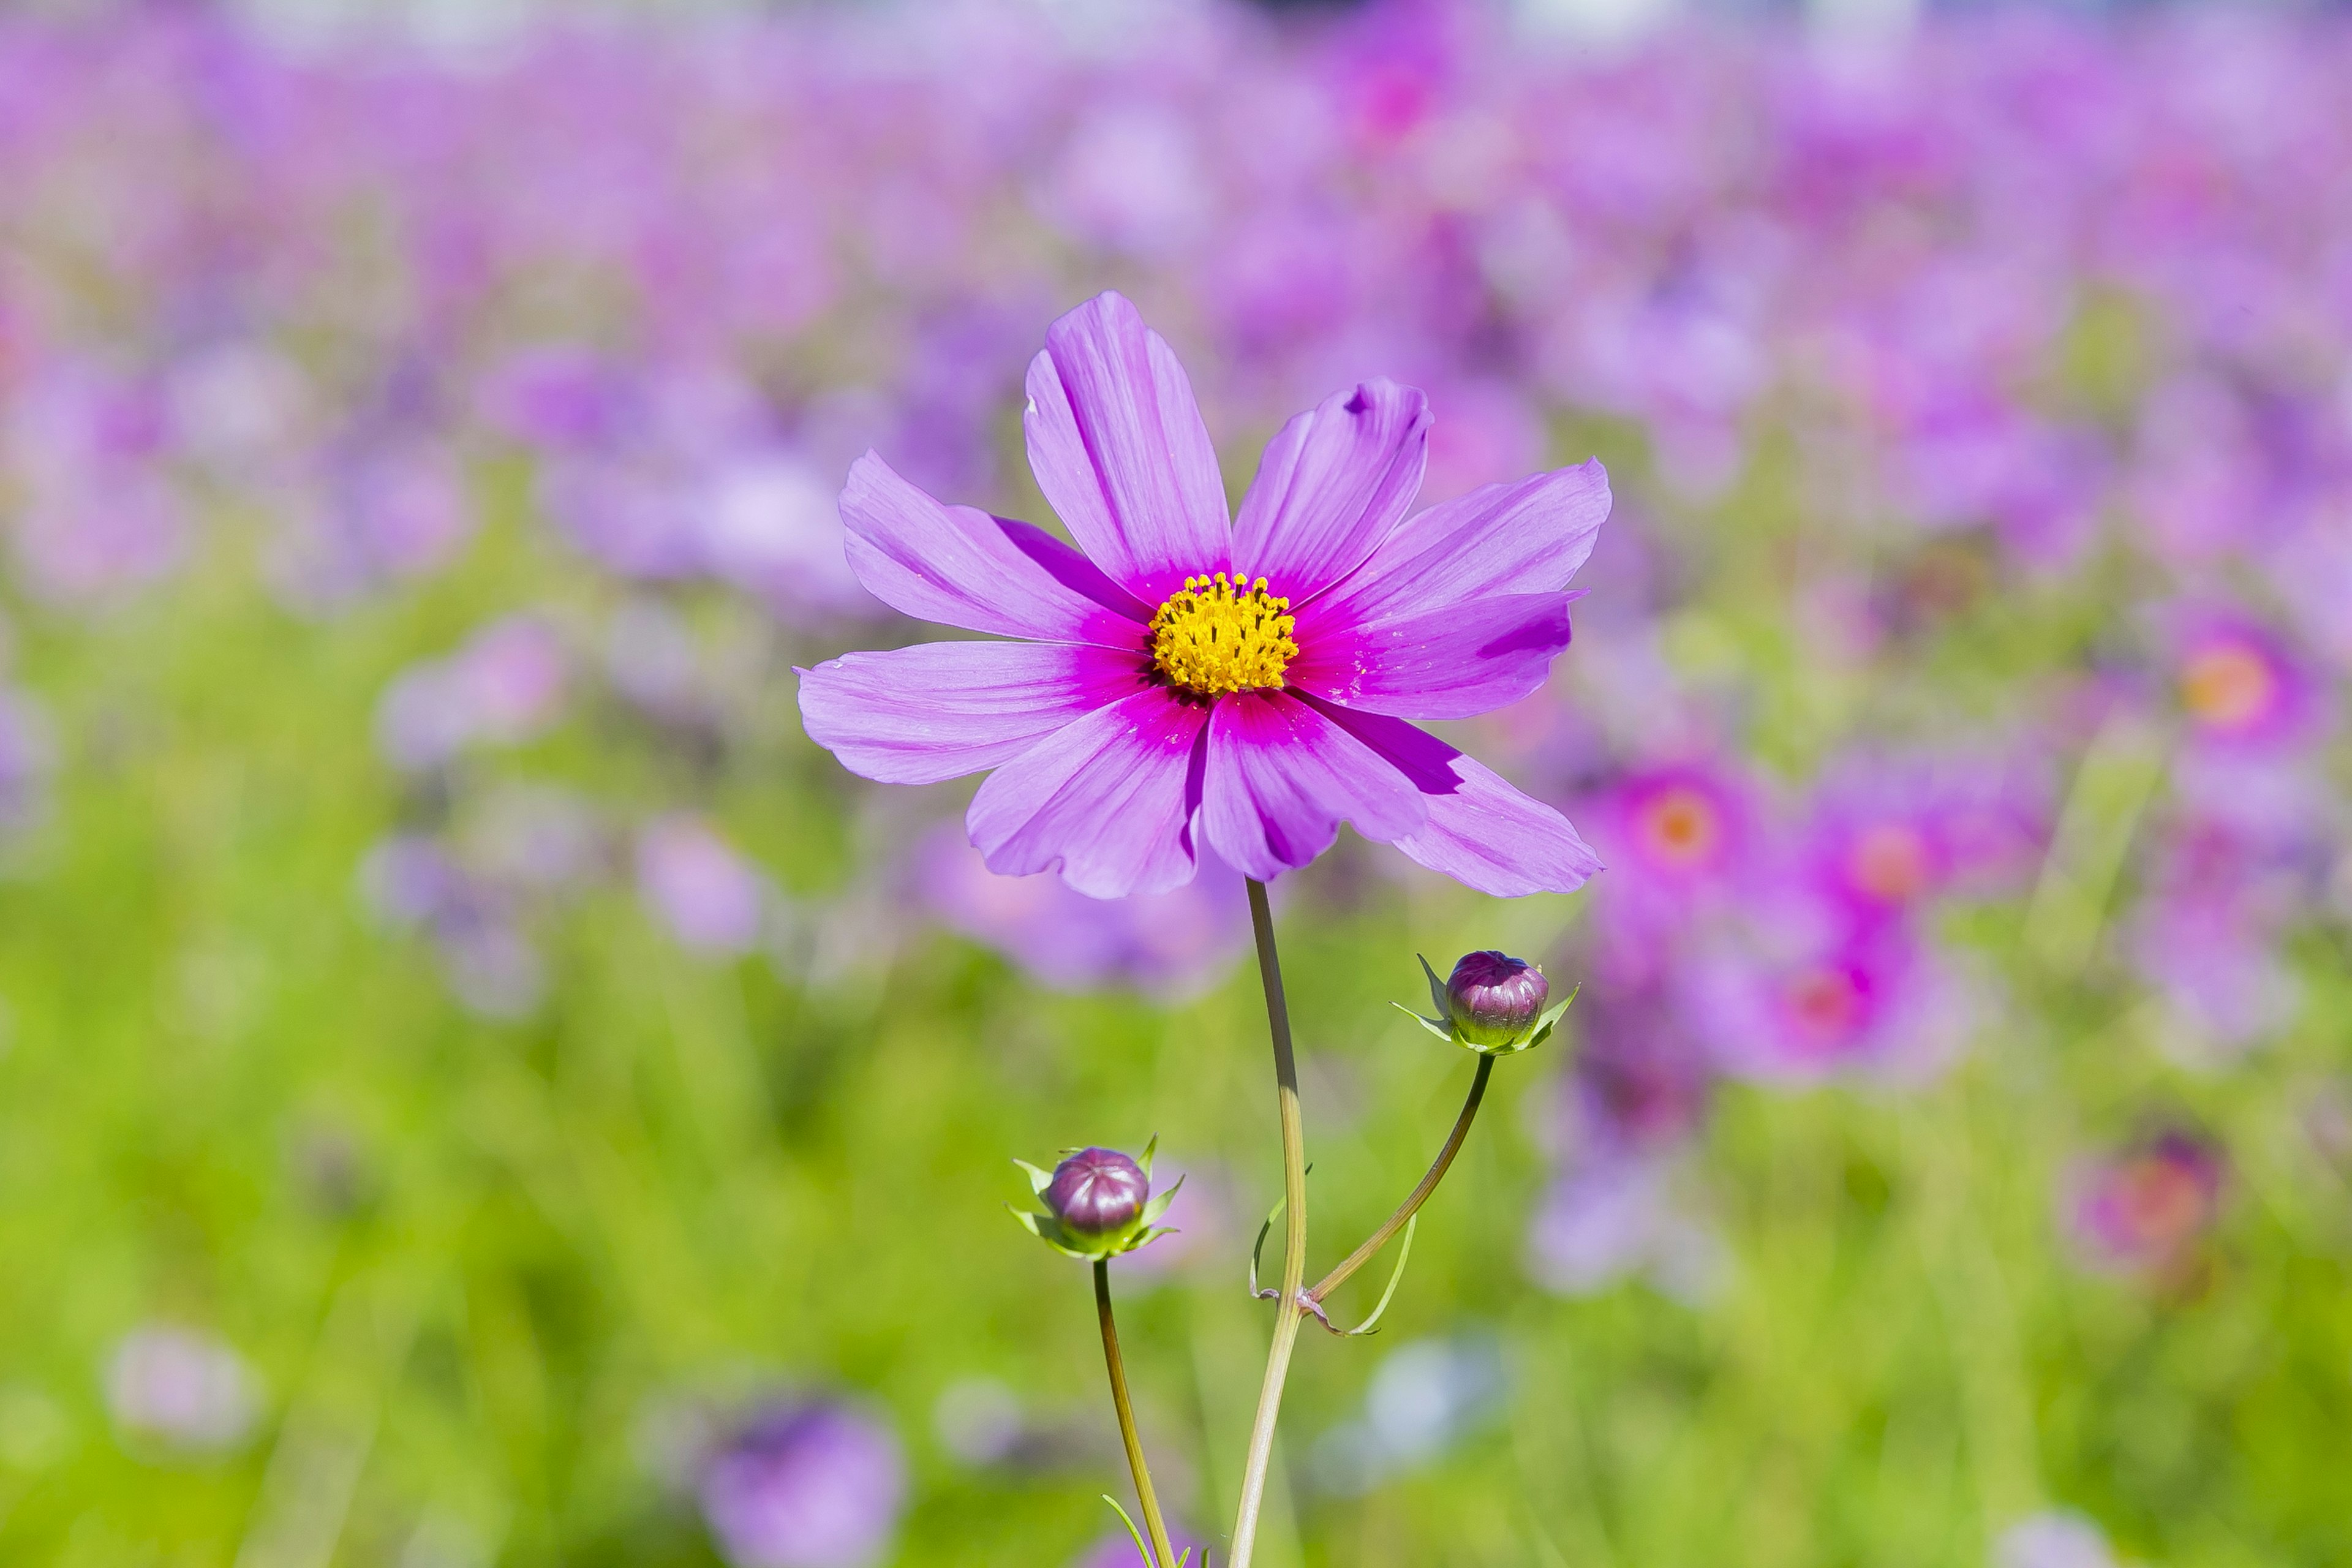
(1164, 1553)
(1420, 1195)
(1288, 1306)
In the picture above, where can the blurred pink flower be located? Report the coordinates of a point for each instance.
(2145, 1210)
(711, 898)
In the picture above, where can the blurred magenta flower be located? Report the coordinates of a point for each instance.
(1793, 998)
(1889, 832)
(1639, 1084)
(1266, 697)
(711, 898)
(180, 1387)
(2238, 685)
(2145, 1210)
(803, 1485)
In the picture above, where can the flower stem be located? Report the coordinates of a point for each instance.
(1289, 1306)
(1420, 1195)
(1163, 1551)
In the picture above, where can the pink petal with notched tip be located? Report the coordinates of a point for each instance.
(1118, 448)
(1524, 538)
(1334, 482)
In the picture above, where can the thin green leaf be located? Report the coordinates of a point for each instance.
(1404, 1254)
(1133, 1534)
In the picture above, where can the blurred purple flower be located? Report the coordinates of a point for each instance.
(1887, 833)
(504, 686)
(1615, 1217)
(380, 509)
(2238, 685)
(2053, 1539)
(98, 511)
(2145, 1210)
(1171, 944)
(181, 1387)
(1795, 998)
(1639, 1083)
(803, 1485)
(27, 758)
(712, 899)
(1682, 839)
(771, 526)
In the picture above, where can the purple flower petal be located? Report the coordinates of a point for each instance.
(1526, 537)
(1481, 832)
(958, 566)
(1442, 664)
(942, 709)
(1281, 776)
(1118, 448)
(1333, 483)
(1108, 799)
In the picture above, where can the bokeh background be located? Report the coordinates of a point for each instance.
(478, 1086)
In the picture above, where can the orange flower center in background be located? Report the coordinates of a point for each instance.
(1214, 636)
(1681, 827)
(2162, 1202)
(2228, 686)
(1890, 862)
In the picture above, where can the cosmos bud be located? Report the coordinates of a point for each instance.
(1493, 1004)
(1493, 998)
(1099, 1203)
(1097, 1192)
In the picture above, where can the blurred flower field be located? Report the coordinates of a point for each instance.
(478, 1085)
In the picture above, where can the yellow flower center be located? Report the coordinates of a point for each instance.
(2228, 686)
(1216, 635)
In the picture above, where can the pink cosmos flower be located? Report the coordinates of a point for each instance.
(2239, 687)
(1191, 680)
(2144, 1209)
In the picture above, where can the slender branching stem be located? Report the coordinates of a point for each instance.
(1163, 1552)
(1289, 1306)
(1420, 1195)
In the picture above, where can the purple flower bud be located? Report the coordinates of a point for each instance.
(1495, 998)
(1097, 1192)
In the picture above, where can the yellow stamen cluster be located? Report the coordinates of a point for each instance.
(1216, 635)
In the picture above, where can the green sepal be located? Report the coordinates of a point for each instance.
(1444, 1031)
(1157, 1205)
(1038, 1180)
(1437, 996)
(1143, 1160)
